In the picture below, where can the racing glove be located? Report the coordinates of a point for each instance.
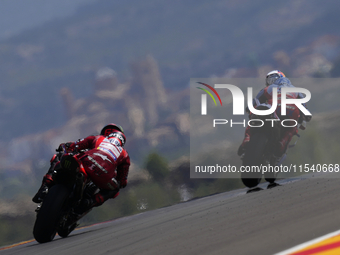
(69, 146)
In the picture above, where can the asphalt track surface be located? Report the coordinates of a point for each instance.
(263, 222)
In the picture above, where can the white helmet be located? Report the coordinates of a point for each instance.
(273, 76)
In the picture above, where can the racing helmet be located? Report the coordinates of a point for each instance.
(273, 76)
(114, 130)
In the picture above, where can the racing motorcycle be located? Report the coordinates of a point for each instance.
(56, 213)
(259, 151)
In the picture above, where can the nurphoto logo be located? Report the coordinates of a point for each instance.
(238, 99)
(238, 104)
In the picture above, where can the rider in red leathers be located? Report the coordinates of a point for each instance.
(277, 79)
(105, 160)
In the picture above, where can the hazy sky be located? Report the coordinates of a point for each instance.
(18, 15)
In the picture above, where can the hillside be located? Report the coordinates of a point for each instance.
(187, 38)
(130, 62)
(66, 79)
(22, 14)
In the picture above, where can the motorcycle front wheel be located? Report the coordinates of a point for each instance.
(254, 157)
(45, 227)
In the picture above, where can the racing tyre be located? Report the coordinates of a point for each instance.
(64, 232)
(254, 157)
(45, 227)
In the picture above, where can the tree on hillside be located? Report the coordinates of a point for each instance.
(157, 167)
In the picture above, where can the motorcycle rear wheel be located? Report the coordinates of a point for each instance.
(45, 227)
(254, 157)
(64, 232)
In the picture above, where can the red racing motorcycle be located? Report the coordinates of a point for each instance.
(56, 213)
(260, 150)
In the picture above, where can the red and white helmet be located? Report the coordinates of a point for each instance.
(114, 130)
(273, 76)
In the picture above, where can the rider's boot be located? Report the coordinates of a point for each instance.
(96, 200)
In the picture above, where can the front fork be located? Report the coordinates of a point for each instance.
(38, 208)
